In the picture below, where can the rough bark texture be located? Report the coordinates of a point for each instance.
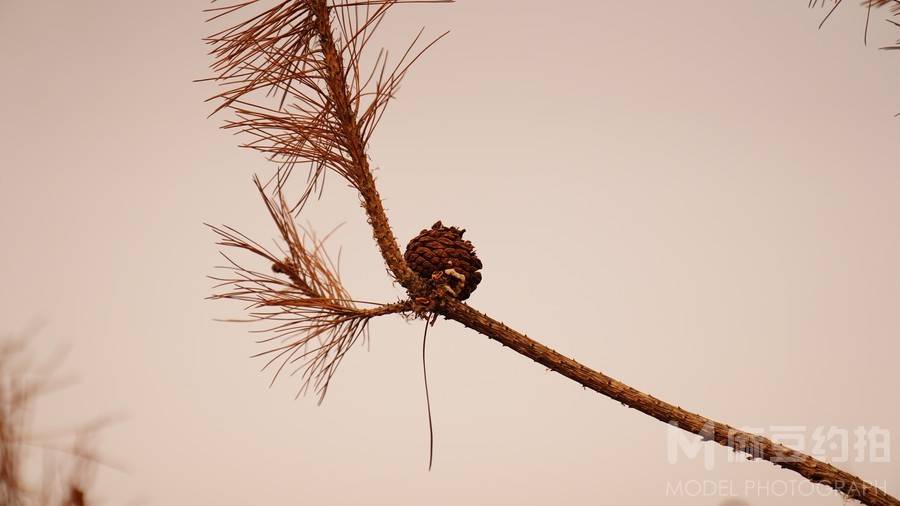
(337, 88)
(754, 445)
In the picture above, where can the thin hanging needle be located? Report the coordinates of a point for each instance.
(868, 16)
(428, 398)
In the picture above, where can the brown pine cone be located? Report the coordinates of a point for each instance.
(441, 257)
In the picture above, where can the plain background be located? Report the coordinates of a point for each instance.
(698, 198)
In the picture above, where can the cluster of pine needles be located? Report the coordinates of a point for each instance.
(870, 6)
(311, 321)
(303, 100)
(301, 86)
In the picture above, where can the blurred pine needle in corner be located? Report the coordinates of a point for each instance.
(38, 469)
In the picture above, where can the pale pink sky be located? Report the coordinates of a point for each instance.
(700, 199)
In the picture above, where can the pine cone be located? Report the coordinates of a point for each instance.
(441, 257)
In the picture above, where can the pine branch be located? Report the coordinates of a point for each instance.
(310, 315)
(756, 446)
(295, 51)
(301, 93)
(352, 132)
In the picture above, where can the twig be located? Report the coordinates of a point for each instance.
(339, 94)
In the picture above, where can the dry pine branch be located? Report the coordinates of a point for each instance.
(293, 75)
(309, 314)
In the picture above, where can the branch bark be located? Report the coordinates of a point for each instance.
(756, 446)
(340, 96)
